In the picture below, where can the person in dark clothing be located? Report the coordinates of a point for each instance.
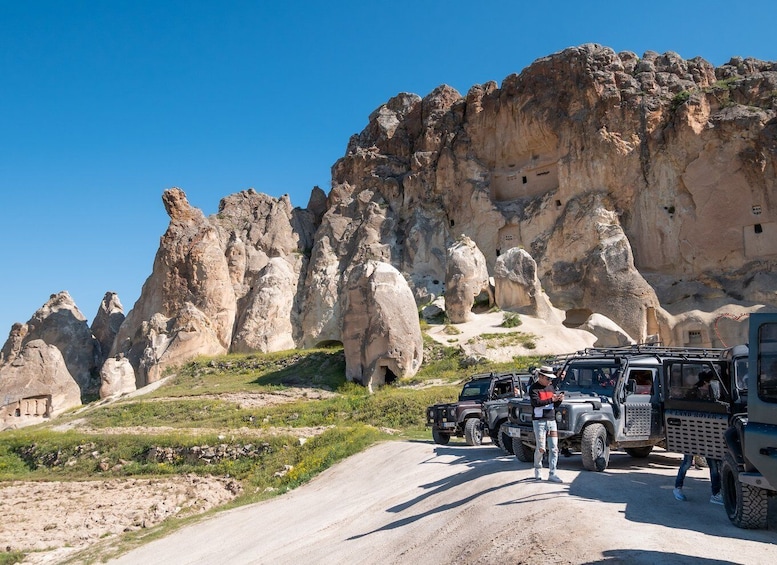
(544, 401)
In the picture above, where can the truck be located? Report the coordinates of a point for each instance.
(749, 464)
(464, 418)
(614, 399)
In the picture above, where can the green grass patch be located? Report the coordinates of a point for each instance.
(511, 320)
(508, 339)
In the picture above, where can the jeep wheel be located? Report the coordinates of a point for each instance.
(745, 505)
(639, 452)
(440, 437)
(594, 448)
(473, 431)
(523, 452)
(505, 441)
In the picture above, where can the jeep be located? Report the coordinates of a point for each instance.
(495, 415)
(749, 468)
(465, 417)
(613, 400)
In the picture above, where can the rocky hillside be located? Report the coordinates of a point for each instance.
(630, 197)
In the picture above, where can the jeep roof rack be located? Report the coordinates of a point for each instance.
(651, 350)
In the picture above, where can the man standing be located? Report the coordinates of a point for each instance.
(544, 401)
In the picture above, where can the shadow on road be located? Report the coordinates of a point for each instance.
(475, 463)
(647, 557)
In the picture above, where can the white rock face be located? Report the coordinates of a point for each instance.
(117, 376)
(466, 277)
(266, 324)
(381, 333)
(607, 332)
(517, 287)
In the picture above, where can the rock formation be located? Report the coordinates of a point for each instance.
(381, 333)
(640, 190)
(61, 324)
(517, 287)
(117, 377)
(466, 278)
(106, 324)
(36, 385)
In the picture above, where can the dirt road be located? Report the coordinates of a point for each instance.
(416, 502)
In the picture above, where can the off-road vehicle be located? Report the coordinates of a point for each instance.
(495, 415)
(749, 469)
(465, 417)
(613, 400)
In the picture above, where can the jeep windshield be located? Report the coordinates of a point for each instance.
(597, 379)
(475, 390)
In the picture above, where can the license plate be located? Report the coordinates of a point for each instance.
(448, 425)
(513, 432)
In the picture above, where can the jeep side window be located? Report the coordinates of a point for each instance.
(643, 380)
(502, 389)
(693, 381)
(767, 362)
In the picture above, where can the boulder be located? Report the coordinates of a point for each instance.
(381, 333)
(517, 287)
(117, 377)
(466, 277)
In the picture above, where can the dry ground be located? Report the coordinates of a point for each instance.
(416, 502)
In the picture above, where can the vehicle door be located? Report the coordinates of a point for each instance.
(695, 418)
(642, 404)
(761, 428)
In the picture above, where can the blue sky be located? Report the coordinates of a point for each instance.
(105, 104)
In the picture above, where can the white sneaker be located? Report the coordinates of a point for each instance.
(678, 494)
(555, 479)
(537, 475)
(716, 499)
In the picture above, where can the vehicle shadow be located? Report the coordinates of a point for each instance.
(476, 461)
(648, 557)
(660, 507)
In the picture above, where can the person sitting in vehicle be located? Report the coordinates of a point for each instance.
(706, 387)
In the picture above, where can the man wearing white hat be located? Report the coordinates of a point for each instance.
(544, 401)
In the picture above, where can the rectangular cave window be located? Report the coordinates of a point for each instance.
(758, 228)
(525, 180)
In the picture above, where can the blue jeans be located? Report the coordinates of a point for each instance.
(542, 429)
(714, 472)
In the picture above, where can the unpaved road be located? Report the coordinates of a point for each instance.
(420, 503)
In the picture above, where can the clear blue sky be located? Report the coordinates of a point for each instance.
(105, 104)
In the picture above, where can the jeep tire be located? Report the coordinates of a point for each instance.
(745, 504)
(473, 431)
(439, 437)
(523, 452)
(505, 441)
(595, 448)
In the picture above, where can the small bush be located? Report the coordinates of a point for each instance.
(511, 320)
